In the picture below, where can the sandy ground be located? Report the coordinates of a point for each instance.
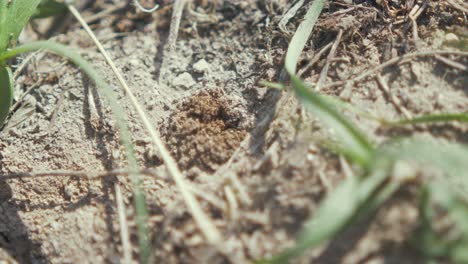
(217, 121)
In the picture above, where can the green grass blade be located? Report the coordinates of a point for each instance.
(14, 15)
(118, 114)
(6, 92)
(333, 101)
(352, 199)
(49, 8)
(301, 36)
(431, 118)
(355, 144)
(441, 244)
(449, 158)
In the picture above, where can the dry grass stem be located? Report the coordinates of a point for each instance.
(143, 9)
(106, 12)
(393, 99)
(396, 60)
(314, 59)
(205, 224)
(175, 22)
(331, 55)
(124, 234)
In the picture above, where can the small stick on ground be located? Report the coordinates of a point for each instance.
(463, 7)
(323, 178)
(105, 12)
(205, 224)
(143, 9)
(289, 14)
(451, 63)
(314, 59)
(233, 205)
(124, 234)
(29, 90)
(23, 64)
(331, 55)
(348, 172)
(396, 60)
(57, 110)
(79, 174)
(395, 101)
(212, 199)
(175, 22)
(215, 201)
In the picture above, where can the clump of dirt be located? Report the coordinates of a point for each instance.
(205, 130)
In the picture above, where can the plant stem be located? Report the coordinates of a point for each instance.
(205, 224)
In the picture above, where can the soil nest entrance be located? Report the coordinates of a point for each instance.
(205, 129)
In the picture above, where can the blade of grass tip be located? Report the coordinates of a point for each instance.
(450, 158)
(351, 200)
(205, 224)
(105, 90)
(444, 245)
(301, 36)
(274, 85)
(332, 101)
(347, 106)
(431, 118)
(355, 144)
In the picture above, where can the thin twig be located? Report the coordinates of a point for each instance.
(395, 101)
(79, 174)
(124, 234)
(23, 64)
(451, 63)
(119, 172)
(143, 9)
(105, 12)
(324, 180)
(314, 59)
(175, 22)
(204, 222)
(331, 55)
(29, 90)
(289, 14)
(346, 167)
(458, 6)
(233, 205)
(394, 61)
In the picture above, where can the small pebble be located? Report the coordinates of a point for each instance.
(450, 37)
(184, 80)
(201, 66)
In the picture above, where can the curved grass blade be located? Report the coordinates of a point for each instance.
(436, 244)
(446, 192)
(6, 92)
(356, 146)
(450, 158)
(351, 200)
(431, 118)
(332, 101)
